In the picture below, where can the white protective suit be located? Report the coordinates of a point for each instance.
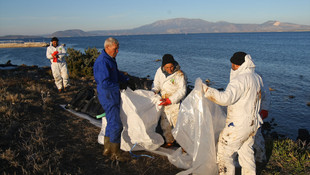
(243, 98)
(259, 144)
(59, 68)
(173, 87)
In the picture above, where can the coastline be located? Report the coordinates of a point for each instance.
(23, 44)
(37, 132)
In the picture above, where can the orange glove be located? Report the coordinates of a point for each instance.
(54, 56)
(55, 53)
(264, 114)
(165, 102)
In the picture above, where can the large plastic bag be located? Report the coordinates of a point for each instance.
(102, 131)
(199, 124)
(139, 113)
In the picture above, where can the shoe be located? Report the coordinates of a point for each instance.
(59, 90)
(107, 149)
(118, 154)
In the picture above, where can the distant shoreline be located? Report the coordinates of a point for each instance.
(24, 44)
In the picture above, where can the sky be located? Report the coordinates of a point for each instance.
(39, 17)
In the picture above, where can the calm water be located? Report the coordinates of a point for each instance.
(282, 58)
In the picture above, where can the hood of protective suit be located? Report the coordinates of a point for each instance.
(176, 68)
(247, 67)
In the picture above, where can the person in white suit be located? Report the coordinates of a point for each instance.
(55, 53)
(170, 82)
(243, 97)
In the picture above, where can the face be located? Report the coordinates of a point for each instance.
(234, 66)
(112, 50)
(169, 68)
(55, 43)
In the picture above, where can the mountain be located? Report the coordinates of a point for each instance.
(71, 33)
(184, 26)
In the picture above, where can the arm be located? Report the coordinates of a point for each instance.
(49, 53)
(265, 101)
(122, 77)
(265, 97)
(181, 92)
(233, 92)
(102, 75)
(62, 52)
(156, 83)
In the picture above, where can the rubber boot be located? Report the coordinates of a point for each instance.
(118, 154)
(107, 149)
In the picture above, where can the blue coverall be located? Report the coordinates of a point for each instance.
(107, 77)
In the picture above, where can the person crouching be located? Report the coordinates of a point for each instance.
(170, 82)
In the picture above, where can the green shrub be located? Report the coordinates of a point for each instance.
(289, 157)
(81, 64)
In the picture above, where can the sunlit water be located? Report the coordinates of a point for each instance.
(283, 59)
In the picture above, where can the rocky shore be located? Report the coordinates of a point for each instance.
(40, 137)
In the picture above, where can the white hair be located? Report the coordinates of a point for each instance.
(110, 41)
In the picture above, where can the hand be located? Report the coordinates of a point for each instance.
(264, 114)
(55, 53)
(165, 102)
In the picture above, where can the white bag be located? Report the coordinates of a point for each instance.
(199, 124)
(140, 113)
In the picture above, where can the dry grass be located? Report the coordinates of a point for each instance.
(39, 137)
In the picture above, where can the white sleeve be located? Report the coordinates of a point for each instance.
(265, 104)
(49, 53)
(228, 97)
(156, 83)
(181, 92)
(62, 52)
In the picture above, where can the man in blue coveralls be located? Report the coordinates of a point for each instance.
(107, 77)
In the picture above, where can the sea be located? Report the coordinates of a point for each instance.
(282, 58)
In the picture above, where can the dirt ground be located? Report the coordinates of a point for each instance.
(39, 137)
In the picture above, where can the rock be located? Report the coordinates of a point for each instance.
(303, 136)
(270, 89)
(208, 82)
(8, 62)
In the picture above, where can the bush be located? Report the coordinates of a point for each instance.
(289, 157)
(80, 64)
